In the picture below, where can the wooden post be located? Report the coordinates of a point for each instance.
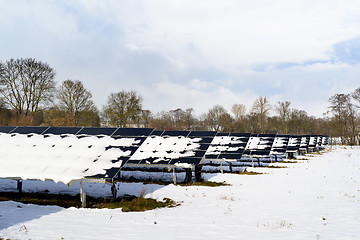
(221, 168)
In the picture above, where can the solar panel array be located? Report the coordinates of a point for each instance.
(69, 153)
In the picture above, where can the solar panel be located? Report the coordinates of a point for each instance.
(28, 130)
(312, 141)
(227, 146)
(259, 145)
(304, 143)
(280, 144)
(157, 133)
(6, 129)
(202, 134)
(172, 147)
(62, 130)
(176, 133)
(319, 141)
(96, 131)
(133, 131)
(294, 143)
(325, 140)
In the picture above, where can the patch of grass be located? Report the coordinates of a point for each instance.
(127, 203)
(138, 204)
(249, 173)
(288, 161)
(205, 184)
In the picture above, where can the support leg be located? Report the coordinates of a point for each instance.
(82, 196)
(19, 185)
(230, 167)
(188, 176)
(113, 190)
(174, 176)
(198, 177)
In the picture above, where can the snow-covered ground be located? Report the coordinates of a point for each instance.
(312, 199)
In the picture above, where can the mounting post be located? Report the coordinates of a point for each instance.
(188, 175)
(82, 195)
(198, 177)
(19, 185)
(230, 167)
(113, 190)
(174, 176)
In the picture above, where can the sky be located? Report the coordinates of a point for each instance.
(193, 54)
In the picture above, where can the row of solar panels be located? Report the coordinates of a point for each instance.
(110, 148)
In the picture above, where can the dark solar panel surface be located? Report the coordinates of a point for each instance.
(62, 130)
(28, 130)
(6, 129)
(97, 131)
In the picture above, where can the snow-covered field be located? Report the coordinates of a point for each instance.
(317, 198)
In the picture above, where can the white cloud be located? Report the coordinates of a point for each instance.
(186, 53)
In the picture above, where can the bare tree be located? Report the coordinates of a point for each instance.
(123, 108)
(239, 111)
(344, 117)
(26, 84)
(218, 119)
(283, 110)
(75, 100)
(260, 109)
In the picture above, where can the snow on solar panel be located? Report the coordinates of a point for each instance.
(160, 150)
(294, 143)
(279, 145)
(259, 145)
(304, 142)
(62, 157)
(225, 146)
(312, 141)
(319, 141)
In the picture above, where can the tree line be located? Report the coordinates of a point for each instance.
(29, 96)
